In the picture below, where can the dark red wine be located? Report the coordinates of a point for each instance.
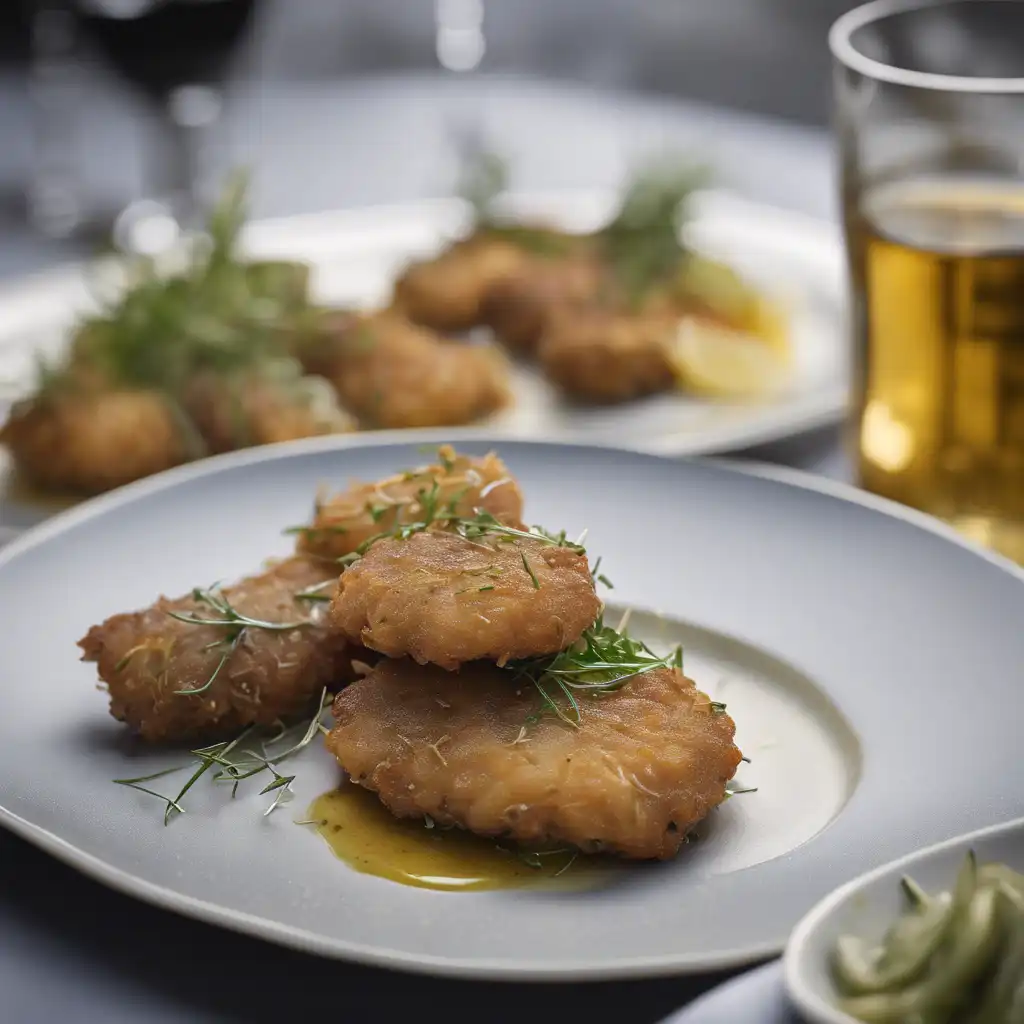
(161, 44)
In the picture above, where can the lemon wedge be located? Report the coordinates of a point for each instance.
(718, 362)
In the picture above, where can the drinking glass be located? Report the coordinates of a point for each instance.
(929, 116)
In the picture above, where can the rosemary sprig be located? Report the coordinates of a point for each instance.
(235, 762)
(642, 243)
(233, 622)
(602, 661)
(315, 592)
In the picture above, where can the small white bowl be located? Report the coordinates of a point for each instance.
(868, 905)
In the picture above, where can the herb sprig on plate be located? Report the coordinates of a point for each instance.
(603, 660)
(252, 753)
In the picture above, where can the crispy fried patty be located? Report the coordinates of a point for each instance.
(647, 764)
(463, 483)
(442, 599)
(145, 656)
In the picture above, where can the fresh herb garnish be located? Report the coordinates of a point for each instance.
(249, 754)
(483, 178)
(642, 242)
(603, 660)
(233, 622)
(217, 315)
(529, 569)
(474, 527)
(315, 592)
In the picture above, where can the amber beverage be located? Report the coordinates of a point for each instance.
(929, 114)
(939, 263)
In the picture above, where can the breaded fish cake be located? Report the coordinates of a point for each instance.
(604, 357)
(262, 410)
(518, 306)
(442, 599)
(445, 292)
(145, 656)
(459, 483)
(89, 442)
(648, 762)
(394, 374)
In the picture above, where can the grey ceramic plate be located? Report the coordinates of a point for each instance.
(856, 647)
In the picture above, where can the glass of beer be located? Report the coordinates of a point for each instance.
(929, 106)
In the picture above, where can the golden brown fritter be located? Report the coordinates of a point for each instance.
(440, 598)
(518, 306)
(459, 483)
(648, 762)
(394, 374)
(145, 656)
(261, 410)
(91, 441)
(445, 292)
(604, 357)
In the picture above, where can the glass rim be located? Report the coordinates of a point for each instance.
(847, 54)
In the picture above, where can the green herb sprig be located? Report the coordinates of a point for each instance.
(234, 624)
(217, 314)
(253, 752)
(475, 527)
(601, 662)
(642, 242)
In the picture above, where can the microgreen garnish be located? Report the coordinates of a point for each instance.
(234, 624)
(529, 569)
(315, 592)
(310, 530)
(219, 314)
(642, 241)
(249, 754)
(473, 528)
(602, 661)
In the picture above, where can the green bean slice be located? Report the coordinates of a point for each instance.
(997, 997)
(974, 939)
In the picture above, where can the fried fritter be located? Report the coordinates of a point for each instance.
(445, 600)
(92, 441)
(648, 762)
(518, 306)
(145, 657)
(460, 483)
(445, 292)
(605, 357)
(394, 374)
(260, 409)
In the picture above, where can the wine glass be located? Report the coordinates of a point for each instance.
(175, 53)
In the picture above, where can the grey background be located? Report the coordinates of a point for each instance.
(338, 104)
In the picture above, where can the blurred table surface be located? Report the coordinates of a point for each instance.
(71, 949)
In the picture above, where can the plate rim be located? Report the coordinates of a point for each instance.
(498, 970)
(813, 410)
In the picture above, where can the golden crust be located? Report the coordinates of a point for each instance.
(445, 293)
(647, 764)
(394, 374)
(442, 599)
(606, 357)
(89, 442)
(145, 656)
(260, 410)
(519, 306)
(466, 483)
